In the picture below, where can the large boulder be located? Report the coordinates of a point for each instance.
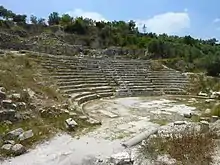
(18, 149)
(26, 135)
(12, 135)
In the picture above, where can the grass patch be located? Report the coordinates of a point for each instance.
(188, 147)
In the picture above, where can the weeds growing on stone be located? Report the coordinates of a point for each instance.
(188, 148)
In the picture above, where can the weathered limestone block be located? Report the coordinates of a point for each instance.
(26, 135)
(12, 135)
(6, 148)
(70, 123)
(18, 149)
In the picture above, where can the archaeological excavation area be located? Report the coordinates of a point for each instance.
(129, 102)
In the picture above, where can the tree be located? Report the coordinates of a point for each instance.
(54, 19)
(131, 25)
(188, 40)
(78, 26)
(66, 19)
(41, 21)
(6, 14)
(34, 19)
(100, 25)
(21, 19)
(3, 12)
(211, 41)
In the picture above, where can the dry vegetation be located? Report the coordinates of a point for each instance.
(20, 72)
(188, 148)
(203, 83)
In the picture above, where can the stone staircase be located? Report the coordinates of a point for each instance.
(84, 79)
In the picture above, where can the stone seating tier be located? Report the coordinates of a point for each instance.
(90, 78)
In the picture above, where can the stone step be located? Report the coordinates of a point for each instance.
(86, 79)
(86, 98)
(70, 70)
(81, 94)
(82, 86)
(169, 79)
(170, 86)
(139, 84)
(168, 89)
(77, 76)
(74, 82)
(96, 90)
(78, 73)
(105, 94)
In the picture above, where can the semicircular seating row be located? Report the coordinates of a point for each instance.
(86, 79)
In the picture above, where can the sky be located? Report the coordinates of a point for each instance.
(198, 18)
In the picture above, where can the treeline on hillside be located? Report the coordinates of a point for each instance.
(183, 53)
